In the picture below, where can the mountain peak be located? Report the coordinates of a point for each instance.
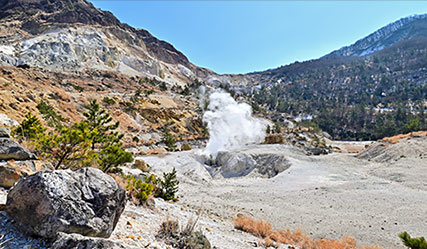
(56, 11)
(402, 29)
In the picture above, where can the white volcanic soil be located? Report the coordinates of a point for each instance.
(371, 199)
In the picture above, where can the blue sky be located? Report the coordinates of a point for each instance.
(247, 36)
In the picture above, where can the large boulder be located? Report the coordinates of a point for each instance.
(11, 150)
(258, 161)
(87, 202)
(12, 171)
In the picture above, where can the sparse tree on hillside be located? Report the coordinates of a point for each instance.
(101, 121)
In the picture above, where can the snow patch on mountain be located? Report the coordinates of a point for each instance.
(405, 28)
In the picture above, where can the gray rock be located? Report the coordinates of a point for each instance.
(87, 202)
(260, 162)
(77, 241)
(10, 149)
(4, 132)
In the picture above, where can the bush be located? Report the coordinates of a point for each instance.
(150, 186)
(185, 238)
(50, 116)
(108, 101)
(74, 146)
(141, 191)
(413, 243)
(29, 129)
(112, 156)
(186, 146)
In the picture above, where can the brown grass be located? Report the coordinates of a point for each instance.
(396, 138)
(258, 228)
(263, 229)
(169, 227)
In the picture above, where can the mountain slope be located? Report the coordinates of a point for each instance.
(74, 35)
(66, 52)
(403, 29)
(368, 90)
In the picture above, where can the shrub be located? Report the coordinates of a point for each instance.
(413, 243)
(108, 101)
(112, 156)
(150, 186)
(52, 118)
(186, 238)
(78, 88)
(135, 139)
(139, 190)
(186, 146)
(68, 147)
(74, 146)
(98, 119)
(30, 128)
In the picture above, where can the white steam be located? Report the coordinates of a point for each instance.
(231, 124)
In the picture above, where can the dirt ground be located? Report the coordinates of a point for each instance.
(326, 196)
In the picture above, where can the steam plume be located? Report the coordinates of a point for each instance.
(231, 124)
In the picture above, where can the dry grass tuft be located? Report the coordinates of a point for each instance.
(258, 228)
(263, 229)
(169, 227)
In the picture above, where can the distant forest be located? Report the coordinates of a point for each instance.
(353, 98)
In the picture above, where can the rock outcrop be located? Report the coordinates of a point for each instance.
(86, 202)
(255, 162)
(11, 150)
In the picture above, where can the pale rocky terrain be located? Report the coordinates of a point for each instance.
(371, 196)
(325, 196)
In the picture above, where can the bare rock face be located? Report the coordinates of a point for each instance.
(9, 149)
(87, 202)
(11, 171)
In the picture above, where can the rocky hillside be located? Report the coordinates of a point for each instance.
(143, 107)
(64, 53)
(74, 35)
(403, 29)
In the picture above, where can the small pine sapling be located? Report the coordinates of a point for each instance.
(168, 186)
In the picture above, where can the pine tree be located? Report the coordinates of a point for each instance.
(168, 186)
(101, 121)
(169, 140)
